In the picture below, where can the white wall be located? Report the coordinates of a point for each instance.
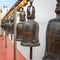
(44, 12)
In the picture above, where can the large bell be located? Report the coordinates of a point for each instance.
(20, 26)
(31, 29)
(52, 51)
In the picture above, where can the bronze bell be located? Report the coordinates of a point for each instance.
(10, 26)
(3, 25)
(31, 29)
(20, 26)
(52, 51)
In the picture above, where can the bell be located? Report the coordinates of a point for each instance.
(3, 25)
(7, 23)
(52, 51)
(20, 26)
(31, 29)
(10, 27)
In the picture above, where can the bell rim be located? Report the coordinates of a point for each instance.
(30, 44)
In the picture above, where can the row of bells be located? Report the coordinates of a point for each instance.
(8, 26)
(26, 31)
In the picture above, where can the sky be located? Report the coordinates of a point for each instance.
(8, 3)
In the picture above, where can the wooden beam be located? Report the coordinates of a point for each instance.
(19, 1)
(19, 4)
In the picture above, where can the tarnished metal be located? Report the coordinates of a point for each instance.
(31, 29)
(8, 26)
(53, 37)
(20, 26)
(3, 25)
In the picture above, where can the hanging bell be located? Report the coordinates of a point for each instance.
(10, 27)
(52, 51)
(20, 26)
(3, 25)
(31, 29)
(6, 24)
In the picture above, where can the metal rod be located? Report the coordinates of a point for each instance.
(15, 58)
(11, 36)
(5, 41)
(2, 34)
(30, 53)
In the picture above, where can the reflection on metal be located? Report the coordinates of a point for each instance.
(53, 37)
(3, 25)
(8, 26)
(31, 29)
(20, 26)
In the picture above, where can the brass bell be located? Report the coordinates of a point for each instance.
(3, 25)
(31, 29)
(52, 51)
(11, 27)
(30, 11)
(20, 26)
(7, 24)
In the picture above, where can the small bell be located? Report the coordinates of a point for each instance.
(10, 26)
(7, 23)
(20, 26)
(31, 29)
(2, 25)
